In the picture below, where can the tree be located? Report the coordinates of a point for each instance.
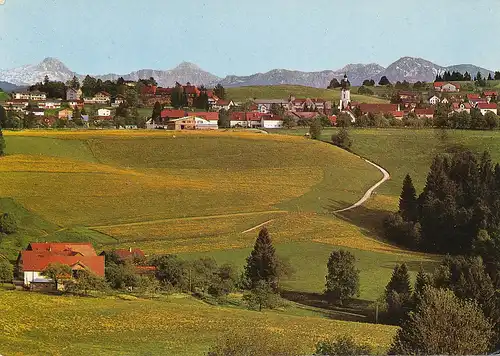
(156, 111)
(384, 81)
(342, 280)
(170, 270)
(121, 275)
(219, 91)
(2, 143)
(74, 83)
(224, 119)
(490, 77)
(278, 110)
(86, 282)
(8, 223)
(443, 324)
(398, 293)
(340, 346)
(497, 75)
(342, 139)
(334, 83)
(262, 296)
(408, 200)
(368, 82)
(262, 262)
(56, 271)
(178, 97)
(315, 129)
(6, 271)
(289, 121)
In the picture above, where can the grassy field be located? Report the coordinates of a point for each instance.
(178, 325)
(193, 194)
(403, 151)
(284, 91)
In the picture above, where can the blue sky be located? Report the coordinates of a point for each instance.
(244, 37)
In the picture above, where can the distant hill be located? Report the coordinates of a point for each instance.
(9, 87)
(406, 68)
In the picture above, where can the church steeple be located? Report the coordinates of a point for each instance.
(345, 95)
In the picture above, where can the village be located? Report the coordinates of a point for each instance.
(197, 108)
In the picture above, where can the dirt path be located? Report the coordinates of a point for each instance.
(369, 191)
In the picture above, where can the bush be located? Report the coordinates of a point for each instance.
(6, 271)
(344, 345)
(8, 223)
(342, 139)
(262, 296)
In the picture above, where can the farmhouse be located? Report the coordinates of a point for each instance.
(378, 108)
(446, 87)
(50, 104)
(102, 98)
(255, 120)
(37, 112)
(485, 107)
(460, 107)
(119, 99)
(264, 105)
(222, 104)
(38, 256)
(104, 112)
(64, 114)
(73, 94)
(76, 104)
(18, 105)
(490, 95)
(34, 95)
(434, 100)
(425, 113)
(191, 123)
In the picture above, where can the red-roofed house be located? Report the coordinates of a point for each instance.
(485, 107)
(473, 96)
(223, 104)
(38, 256)
(446, 87)
(255, 119)
(459, 107)
(398, 114)
(490, 94)
(425, 113)
(378, 108)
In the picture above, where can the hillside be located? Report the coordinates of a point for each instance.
(284, 91)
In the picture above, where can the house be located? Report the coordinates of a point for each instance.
(191, 123)
(445, 101)
(21, 95)
(485, 107)
(119, 99)
(378, 108)
(65, 113)
(104, 112)
(38, 112)
(255, 120)
(398, 114)
(210, 116)
(37, 257)
(37, 95)
(446, 87)
(102, 98)
(434, 100)
(76, 104)
(425, 113)
(473, 97)
(264, 105)
(165, 116)
(460, 107)
(223, 104)
(191, 92)
(50, 104)
(491, 95)
(308, 104)
(475, 102)
(73, 94)
(408, 95)
(18, 105)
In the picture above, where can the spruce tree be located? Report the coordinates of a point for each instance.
(2, 143)
(262, 262)
(156, 111)
(408, 200)
(398, 293)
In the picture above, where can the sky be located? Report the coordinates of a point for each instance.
(244, 37)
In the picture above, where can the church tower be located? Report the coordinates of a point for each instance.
(345, 95)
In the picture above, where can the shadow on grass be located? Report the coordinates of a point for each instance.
(414, 266)
(369, 220)
(353, 310)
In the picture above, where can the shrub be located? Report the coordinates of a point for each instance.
(8, 223)
(344, 345)
(6, 271)
(342, 139)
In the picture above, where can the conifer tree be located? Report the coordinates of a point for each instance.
(262, 262)
(156, 111)
(398, 293)
(408, 200)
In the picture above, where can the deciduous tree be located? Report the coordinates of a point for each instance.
(342, 280)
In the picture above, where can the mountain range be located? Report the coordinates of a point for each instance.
(410, 69)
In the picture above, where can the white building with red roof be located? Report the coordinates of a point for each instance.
(487, 107)
(446, 87)
(38, 256)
